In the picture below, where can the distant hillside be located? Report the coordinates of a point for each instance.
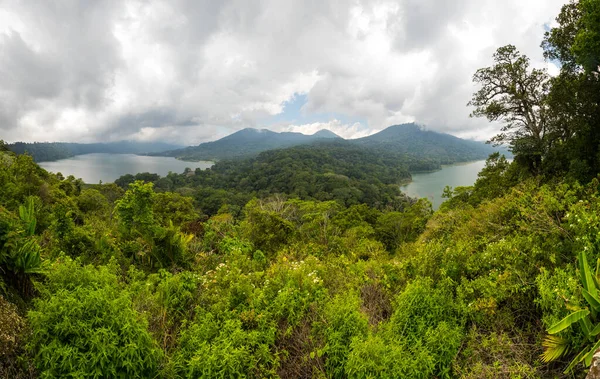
(51, 151)
(413, 140)
(424, 149)
(327, 170)
(247, 142)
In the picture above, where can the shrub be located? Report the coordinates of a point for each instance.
(343, 324)
(211, 348)
(87, 328)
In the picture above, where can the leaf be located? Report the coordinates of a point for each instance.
(587, 359)
(592, 300)
(567, 321)
(554, 348)
(596, 330)
(575, 360)
(586, 326)
(586, 275)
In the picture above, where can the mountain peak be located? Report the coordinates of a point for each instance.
(325, 133)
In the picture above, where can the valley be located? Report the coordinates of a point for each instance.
(336, 248)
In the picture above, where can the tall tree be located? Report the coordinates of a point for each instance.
(515, 95)
(575, 93)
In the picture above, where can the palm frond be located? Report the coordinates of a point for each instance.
(554, 348)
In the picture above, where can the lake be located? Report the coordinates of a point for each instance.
(431, 184)
(108, 167)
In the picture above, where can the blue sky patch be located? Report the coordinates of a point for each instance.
(292, 113)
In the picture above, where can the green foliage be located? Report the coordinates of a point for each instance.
(420, 340)
(88, 328)
(225, 349)
(343, 324)
(515, 95)
(135, 209)
(170, 246)
(12, 337)
(267, 230)
(496, 355)
(92, 201)
(345, 173)
(586, 45)
(396, 228)
(169, 206)
(586, 318)
(19, 247)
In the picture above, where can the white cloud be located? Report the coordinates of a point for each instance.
(188, 71)
(348, 131)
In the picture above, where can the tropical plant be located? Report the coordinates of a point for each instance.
(587, 318)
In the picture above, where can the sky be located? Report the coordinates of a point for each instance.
(190, 71)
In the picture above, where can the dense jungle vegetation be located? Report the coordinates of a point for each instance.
(278, 276)
(337, 171)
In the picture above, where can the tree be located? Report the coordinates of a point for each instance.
(514, 95)
(575, 94)
(135, 209)
(586, 44)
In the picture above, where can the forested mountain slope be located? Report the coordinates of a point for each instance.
(415, 141)
(246, 143)
(323, 171)
(407, 141)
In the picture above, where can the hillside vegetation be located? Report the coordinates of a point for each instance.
(336, 171)
(247, 143)
(415, 141)
(408, 141)
(138, 279)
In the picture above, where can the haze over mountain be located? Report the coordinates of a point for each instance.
(50, 151)
(408, 139)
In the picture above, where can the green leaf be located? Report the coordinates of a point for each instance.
(586, 275)
(575, 360)
(567, 321)
(554, 348)
(587, 359)
(586, 326)
(592, 300)
(596, 330)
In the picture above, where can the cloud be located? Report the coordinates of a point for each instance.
(355, 130)
(189, 71)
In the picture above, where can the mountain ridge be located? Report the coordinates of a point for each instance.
(51, 151)
(246, 143)
(408, 139)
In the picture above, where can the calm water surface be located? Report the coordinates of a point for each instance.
(108, 167)
(431, 184)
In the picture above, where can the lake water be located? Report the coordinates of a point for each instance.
(108, 167)
(431, 184)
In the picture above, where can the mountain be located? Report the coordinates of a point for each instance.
(413, 140)
(424, 149)
(51, 151)
(247, 142)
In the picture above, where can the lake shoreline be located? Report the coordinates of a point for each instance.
(108, 167)
(431, 184)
